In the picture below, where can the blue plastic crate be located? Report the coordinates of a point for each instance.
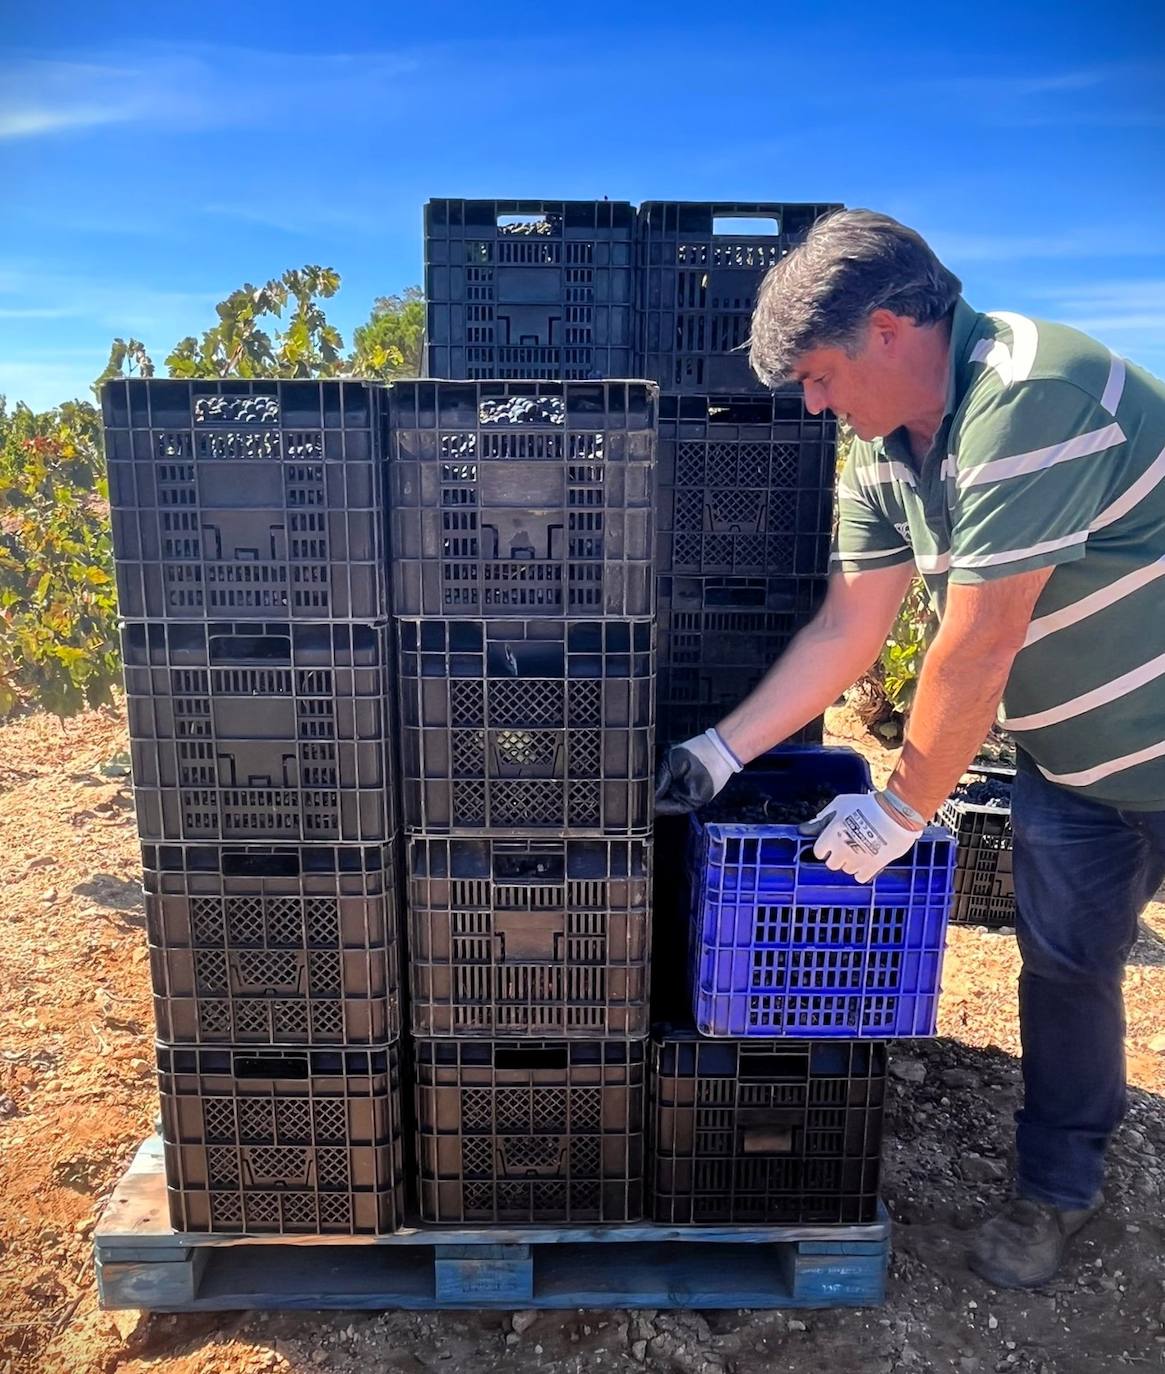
(783, 946)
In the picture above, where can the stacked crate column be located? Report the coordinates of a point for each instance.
(248, 530)
(524, 581)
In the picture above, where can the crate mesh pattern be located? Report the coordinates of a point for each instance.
(283, 1141)
(984, 881)
(746, 1132)
(522, 499)
(243, 730)
(517, 726)
(534, 1131)
(700, 267)
(273, 946)
(529, 289)
(718, 636)
(234, 499)
(745, 486)
(783, 946)
(529, 937)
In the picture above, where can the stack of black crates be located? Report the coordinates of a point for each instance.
(745, 499)
(743, 508)
(525, 586)
(437, 599)
(248, 527)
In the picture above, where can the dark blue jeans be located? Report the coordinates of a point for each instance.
(1083, 874)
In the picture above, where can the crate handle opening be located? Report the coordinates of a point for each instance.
(747, 226)
(272, 1066)
(552, 1057)
(276, 865)
(768, 1140)
(250, 648)
(514, 224)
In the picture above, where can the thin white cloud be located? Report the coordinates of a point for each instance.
(30, 291)
(36, 312)
(193, 88)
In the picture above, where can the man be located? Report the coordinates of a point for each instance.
(1019, 467)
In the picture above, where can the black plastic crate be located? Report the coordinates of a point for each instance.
(700, 269)
(273, 946)
(747, 1131)
(513, 498)
(288, 1142)
(529, 288)
(745, 486)
(235, 499)
(529, 937)
(984, 882)
(244, 730)
(718, 636)
(527, 725)
(541, 1131)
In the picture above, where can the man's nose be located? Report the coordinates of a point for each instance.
(814, 397)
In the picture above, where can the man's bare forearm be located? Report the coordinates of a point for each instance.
(961, 685)
(820, 663)
(952, 714)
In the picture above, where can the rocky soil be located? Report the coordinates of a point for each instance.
(77, 1096)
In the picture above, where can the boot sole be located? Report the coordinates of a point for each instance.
(1000, 1279)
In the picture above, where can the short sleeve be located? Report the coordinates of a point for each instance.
(1034, 468)
(865, 538)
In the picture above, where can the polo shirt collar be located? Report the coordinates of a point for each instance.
(963, 324)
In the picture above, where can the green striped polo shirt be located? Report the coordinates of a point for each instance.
(1051, 454)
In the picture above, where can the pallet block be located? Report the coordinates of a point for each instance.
(142, 1263)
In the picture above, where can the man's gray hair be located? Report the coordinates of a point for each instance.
(821, 294)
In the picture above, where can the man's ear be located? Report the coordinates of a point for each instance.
(886, 329)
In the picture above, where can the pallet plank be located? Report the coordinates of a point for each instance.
(142, 1263)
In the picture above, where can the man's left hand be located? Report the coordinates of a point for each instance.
(860, 833)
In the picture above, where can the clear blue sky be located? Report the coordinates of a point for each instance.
(153, 158)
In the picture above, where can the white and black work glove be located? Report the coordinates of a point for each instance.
(692, 773)
(860, 833)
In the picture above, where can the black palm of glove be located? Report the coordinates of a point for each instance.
(691, 774)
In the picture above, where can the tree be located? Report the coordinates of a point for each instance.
(126, 357)
(391, 343)
(58, 606)
(239, 346)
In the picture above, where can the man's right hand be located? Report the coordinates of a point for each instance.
(692, 773)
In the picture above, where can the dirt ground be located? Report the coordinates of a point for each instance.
(77, 1096)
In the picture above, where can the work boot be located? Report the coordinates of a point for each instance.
(1023, 1245)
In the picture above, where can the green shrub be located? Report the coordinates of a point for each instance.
(58, 605)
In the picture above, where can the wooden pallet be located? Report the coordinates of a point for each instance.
(142, 1263)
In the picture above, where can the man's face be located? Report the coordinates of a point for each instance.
(863, 390)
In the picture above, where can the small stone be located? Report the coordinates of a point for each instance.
(795, 1325)
(49, 895)
(319, 1355)
(960, 1078)
(992, 1322)
(7, 1105)
(908, 1070)
(521, 1322)
(537, 1350)
(639, 1351)
(1157, 1043)
(512, 1338)
(979, 1169)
